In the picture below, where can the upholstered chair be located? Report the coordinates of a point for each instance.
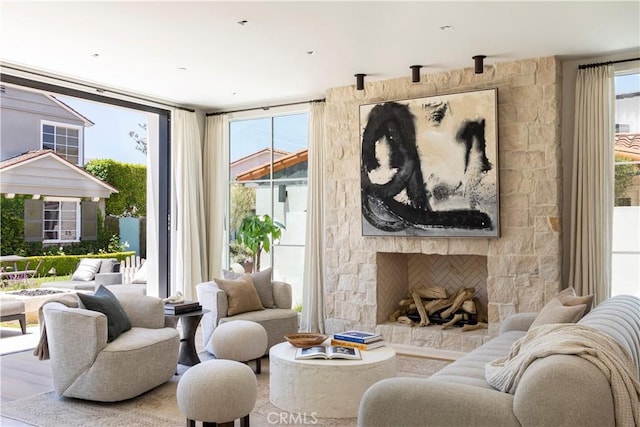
(88, 360)
(272, 309)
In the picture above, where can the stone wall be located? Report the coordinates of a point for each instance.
(523, 265)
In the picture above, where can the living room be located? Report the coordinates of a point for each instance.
(529, 260)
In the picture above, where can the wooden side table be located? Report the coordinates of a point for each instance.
(188, 355)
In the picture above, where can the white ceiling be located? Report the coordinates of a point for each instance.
(143, 45)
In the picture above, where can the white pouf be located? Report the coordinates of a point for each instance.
(217, 391)
(240, 340)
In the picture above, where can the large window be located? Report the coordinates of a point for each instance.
(64, 140)
(268, 175)
(626, 211)
(61, 221)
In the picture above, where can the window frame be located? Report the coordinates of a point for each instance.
(621, 69)
(271, 113)
(78, 219)
(57, 125)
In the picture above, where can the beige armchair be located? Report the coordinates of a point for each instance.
(277, 321)
(85, 366)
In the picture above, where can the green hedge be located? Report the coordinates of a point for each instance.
(131, 182)
(64, 264)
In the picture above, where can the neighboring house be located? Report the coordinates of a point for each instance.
(41, 156)
(252, 160)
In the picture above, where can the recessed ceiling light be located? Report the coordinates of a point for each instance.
(95, 55)
(446, 28)
(243, 22)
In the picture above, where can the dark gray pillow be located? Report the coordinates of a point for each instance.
(105, 302)
(262, 283)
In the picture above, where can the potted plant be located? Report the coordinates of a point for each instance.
(256, 234)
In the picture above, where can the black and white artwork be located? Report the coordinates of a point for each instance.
(429, 166)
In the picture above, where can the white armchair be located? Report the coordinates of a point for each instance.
(277, 321)
(85, 366)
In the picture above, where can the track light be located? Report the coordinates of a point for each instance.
(359, 81)
(479, 63)
(415, 73)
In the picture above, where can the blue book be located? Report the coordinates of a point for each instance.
(358, 336)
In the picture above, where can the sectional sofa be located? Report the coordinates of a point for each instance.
(558, 390)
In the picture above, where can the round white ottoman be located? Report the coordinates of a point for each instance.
(217, 391)
(240, 340)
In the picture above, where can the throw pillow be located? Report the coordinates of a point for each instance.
(241, 295)
(568, 297)
(261, 281)
(555, 312)
(106, 302)
(106, 266)
(87, 269)
(140, 276)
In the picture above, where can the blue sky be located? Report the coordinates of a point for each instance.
(109, 137)
(628, 83)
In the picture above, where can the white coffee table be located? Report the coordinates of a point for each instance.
(325, 388)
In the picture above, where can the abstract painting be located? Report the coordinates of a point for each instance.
(429, 166)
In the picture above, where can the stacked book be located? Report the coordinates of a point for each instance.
(181, 307)
(358, 339)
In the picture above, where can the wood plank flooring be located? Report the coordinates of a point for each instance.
(23, 375)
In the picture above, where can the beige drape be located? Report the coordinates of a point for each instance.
(188, 215)
(313, 313)
(592, 189)
(215, 195)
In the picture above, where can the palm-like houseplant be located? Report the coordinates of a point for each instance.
(256, 234)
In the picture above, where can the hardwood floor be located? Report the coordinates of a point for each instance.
(23, 375)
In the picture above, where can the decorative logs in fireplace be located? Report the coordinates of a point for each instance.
(433, 305)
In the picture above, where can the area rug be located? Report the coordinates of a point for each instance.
(159, 408)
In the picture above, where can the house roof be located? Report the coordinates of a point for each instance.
(628, 144)
(287, 161)
(258, 154)
(46, 173)
(87, 122)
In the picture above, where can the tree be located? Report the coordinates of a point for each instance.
(624, 174)
(141, 140)
(256, 233)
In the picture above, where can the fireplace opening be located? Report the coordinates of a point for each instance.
(427, 289)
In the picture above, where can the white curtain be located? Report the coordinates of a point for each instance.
(188, 225)
(593, 176)
(313, 313)
(215, 163)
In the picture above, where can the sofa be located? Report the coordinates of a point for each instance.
(90, 273)
(272, 309)
(558, 390)
(93, 272)
(87, 362)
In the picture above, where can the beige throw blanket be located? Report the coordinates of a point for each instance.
(42, 350)
(578, 340)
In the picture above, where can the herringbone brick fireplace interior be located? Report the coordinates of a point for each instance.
(398, 273)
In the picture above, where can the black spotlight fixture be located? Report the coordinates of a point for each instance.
(415, 73)
(359, 81)
(479, 63)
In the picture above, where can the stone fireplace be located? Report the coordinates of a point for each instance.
(520, 269)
